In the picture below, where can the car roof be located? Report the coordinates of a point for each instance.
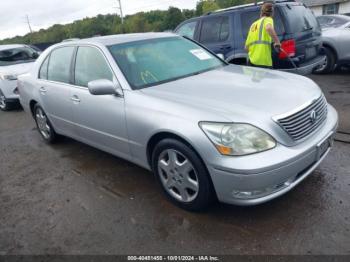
(256, 4)
(5, 47)
(120, 39)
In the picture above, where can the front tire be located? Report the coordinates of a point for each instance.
(329, 65)
(182, 175)
(44, 126)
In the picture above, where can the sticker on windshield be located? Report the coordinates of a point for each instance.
(201, 54)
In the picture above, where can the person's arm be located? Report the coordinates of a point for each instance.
(272, 33)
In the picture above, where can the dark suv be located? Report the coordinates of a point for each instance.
(225, 31)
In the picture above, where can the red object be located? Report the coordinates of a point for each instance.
(289, 49)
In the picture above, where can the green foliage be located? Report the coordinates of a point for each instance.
(156, 21)
(205, 6)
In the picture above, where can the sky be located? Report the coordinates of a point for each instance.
(45, 13)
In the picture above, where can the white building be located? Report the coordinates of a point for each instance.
(327, 7)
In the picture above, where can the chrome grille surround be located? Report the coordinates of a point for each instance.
(305, 120)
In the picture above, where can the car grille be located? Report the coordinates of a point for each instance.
(302, 123)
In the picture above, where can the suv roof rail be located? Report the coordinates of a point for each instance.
(247, 5)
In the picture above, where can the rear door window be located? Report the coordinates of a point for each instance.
(249, 17)
(214, 30)
(59, 64)
(188, 29)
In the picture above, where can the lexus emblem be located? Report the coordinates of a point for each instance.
(313, 116)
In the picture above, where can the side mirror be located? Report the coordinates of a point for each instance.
(102, 87)
(35, 55)
(221, 56)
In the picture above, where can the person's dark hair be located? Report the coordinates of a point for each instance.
(267, 9)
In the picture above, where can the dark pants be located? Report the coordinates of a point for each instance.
(251, 64)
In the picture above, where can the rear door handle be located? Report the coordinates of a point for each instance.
(42, 90)
(75, 99)
(225, 47)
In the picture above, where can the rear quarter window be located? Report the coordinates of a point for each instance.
(44, 68)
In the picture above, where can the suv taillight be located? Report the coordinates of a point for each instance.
(287, 49)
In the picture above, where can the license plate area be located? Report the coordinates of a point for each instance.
(310, 52)
(324, 145)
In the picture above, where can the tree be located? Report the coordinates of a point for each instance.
(156, 21)
(209, 6)
(173, 18)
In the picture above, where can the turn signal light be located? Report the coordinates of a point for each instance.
(224, 150)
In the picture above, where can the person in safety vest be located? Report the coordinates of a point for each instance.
(260, 37)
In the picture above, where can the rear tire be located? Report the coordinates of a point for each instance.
(329, 65)
(44, 126)
(182, 175)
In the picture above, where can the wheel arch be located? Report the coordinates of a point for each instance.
(32, 104)
(333, 50)
(159, 136)
(238, 59)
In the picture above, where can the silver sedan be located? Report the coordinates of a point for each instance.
(336, 39)
(208, 130)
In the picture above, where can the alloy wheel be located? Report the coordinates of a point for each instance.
(323, 66)
(178, 175)
(2, 101)
(3, 105)
(43, 124)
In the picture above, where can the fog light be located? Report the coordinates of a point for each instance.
(263, 192)
(248, 194)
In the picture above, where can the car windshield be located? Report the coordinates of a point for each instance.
(151, 62)
(17, 55)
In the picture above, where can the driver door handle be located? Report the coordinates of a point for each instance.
(42, 90)
(75, 99)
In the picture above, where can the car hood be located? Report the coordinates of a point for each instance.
(240, 93)
(17, 69)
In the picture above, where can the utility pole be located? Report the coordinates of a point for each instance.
(30, 28)
(121, 10)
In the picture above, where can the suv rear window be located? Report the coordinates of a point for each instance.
(301, 18)
(249, 17)
(215, 30)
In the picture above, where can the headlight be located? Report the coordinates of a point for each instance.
(237, 139)
(8, 77)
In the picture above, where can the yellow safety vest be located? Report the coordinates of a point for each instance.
(259, 42)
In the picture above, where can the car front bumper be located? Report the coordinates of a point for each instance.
(268, 175)
(7, 89)
(307, 68)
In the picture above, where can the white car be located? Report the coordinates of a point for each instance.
(14, 60)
